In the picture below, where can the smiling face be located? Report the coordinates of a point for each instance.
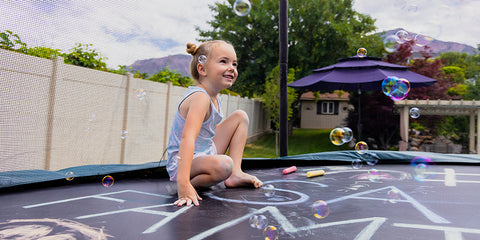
(220, 70)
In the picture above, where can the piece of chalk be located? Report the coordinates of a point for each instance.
(289, 170)
(315, 173)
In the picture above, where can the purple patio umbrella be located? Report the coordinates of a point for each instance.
(358, 74)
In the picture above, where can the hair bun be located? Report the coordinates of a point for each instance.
(192, 48)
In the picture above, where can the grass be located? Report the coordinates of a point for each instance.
(302, 141)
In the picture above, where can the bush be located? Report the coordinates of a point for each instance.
(177, 79)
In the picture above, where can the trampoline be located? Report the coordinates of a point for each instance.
(384, 198)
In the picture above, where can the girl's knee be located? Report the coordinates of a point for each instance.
(241, 115)
(224, 167)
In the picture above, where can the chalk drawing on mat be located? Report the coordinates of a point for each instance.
(406, 199)
(366, 233)
(46, 228)
(262, 200)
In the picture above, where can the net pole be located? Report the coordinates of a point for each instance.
(283, 40)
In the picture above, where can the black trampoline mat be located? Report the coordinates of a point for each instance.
(388, 203)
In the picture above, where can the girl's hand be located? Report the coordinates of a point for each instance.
(187, 195)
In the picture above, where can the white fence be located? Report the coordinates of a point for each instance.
(54, 115)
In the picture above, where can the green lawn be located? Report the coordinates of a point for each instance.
(302, 141)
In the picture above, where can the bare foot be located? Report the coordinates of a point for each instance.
(242, 179)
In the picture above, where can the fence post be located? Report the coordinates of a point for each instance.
(129, 77)
(56, 75)
(471, 133)
(167, 112)
(227, 102)
(478, 131)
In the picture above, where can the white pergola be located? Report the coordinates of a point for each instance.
(441, 107)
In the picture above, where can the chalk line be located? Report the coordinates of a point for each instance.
(451, 233)
(98, 196)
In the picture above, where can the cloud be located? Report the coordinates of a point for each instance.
(446, 20)
(128, 30)
(123, 31)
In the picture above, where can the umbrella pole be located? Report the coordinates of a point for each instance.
(359, 123)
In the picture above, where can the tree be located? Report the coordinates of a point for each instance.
(83, 55)
(456, 73)
(320, 32)
(379, 121)
(270, 97)
(177, 79)
(10, 41)
(425, 66)
(431, 68)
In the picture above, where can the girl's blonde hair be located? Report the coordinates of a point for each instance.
(204, 49)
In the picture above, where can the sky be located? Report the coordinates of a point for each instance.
(127, 30)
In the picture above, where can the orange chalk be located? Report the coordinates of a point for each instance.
(289, 170)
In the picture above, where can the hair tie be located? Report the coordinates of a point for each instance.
(192, 48)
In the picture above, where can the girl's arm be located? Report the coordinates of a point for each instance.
(197, 107)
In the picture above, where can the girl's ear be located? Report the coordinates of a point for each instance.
(202, 71)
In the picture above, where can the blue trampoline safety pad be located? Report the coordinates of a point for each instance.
(16, 178)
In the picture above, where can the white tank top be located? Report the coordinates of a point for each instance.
(204, 142)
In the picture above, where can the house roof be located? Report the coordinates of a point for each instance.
(326, 96)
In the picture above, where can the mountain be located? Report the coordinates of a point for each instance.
(436, 46)
(179, 62)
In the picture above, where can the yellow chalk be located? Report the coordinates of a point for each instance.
(315, 173)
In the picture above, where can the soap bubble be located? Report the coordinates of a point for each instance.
(371, 158)
(270, 233)
(402, 36)
(202, 59)
(347, 135)
(92, 117)
(320, 209)
(258, 221)
(413, 8)
(400, 90)
(242, 7)
(414, 112)
(361, 147)
(393, 196)
(373, 175)
(268, 190)
(69, 176)
(253, 221)
(421, 167)
(396, 88)
(107, 181)
(388, 83)
(400, 3)
(262, 222)
(422, 40)
(362, 52)
(124, 134)
(390, 43)
(141, 94)
(357, 163)
(337, 135)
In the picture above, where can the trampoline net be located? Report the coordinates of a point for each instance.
(56, 117)
(59, 121)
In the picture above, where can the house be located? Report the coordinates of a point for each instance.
(327, 112)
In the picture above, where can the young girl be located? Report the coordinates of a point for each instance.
(199, 140)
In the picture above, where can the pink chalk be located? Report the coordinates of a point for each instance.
(289, 170)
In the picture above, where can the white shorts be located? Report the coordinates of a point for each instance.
(172, 161)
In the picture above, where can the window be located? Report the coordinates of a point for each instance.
(327, 107)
